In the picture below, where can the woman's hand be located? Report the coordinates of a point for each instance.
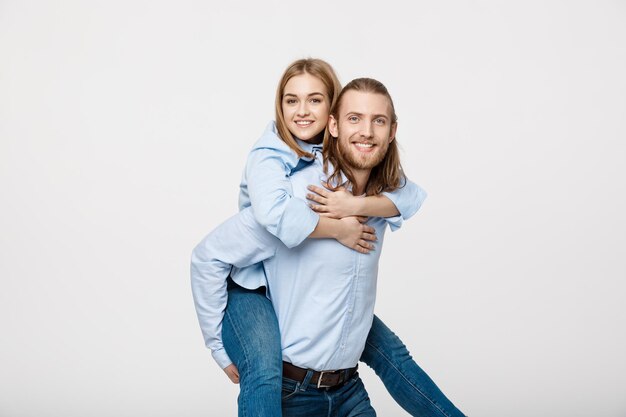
(232, 372)
(356, 235)
(336, 204)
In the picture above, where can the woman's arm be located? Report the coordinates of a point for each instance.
(290, 219)
(240, 241)
(341, 203)
(396, 206)
(349, 231)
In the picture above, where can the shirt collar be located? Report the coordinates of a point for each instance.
(309, 147)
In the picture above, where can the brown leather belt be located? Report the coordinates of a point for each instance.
(321, 379)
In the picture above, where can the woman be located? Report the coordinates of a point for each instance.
(249, 329)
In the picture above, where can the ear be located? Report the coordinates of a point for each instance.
(332, 126)
(392, 134)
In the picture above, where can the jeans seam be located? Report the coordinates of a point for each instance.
(407, 380)
(242, 407)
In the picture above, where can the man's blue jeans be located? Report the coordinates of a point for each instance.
(252, 340)
(300, 398)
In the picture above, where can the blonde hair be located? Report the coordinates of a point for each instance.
(317, 68)
(386, 176)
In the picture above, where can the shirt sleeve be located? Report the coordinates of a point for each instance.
(288, 218)
(240, 241)
(407, 199)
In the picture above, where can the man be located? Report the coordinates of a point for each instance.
(323, 293)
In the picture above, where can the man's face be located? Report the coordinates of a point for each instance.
(363, 128)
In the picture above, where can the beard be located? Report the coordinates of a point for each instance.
(357, 160)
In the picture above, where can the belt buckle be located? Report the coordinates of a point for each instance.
(319, 381)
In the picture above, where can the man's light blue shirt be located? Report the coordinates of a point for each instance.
(323, 292)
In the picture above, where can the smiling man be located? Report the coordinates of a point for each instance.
(323, 293)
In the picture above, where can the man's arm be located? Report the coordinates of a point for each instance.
(240, 241)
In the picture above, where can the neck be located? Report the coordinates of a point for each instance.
(361, 176)
(316, 140)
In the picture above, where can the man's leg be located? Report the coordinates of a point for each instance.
(353, 400)
(252, 340)
(407, 383)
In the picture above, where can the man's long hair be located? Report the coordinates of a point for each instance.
(386, 176)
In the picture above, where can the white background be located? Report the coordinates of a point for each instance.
(124, 127)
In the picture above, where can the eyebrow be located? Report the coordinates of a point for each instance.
(293, 95)
(375, 116)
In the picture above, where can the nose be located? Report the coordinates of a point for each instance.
(303, 108)
(366, 130)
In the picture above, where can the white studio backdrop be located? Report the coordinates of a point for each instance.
(124, 127)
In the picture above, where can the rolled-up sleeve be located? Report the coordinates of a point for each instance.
(408, 199)
(240, 241)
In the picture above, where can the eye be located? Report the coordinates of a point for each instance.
(290, 101)
(380, 121)
(353, 119)
(316, 100)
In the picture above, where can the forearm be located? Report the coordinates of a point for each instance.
(210, 295)
(326, 228)
(375, 206)
(240, 241)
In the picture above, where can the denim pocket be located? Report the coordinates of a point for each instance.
(289, 390)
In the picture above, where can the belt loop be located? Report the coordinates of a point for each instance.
(306, 380)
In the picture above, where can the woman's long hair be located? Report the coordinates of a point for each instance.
(317, 68)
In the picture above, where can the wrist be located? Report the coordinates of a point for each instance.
(337, 228)
(360, 205)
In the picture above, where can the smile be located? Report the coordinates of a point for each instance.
(364, 147)
(304, 123)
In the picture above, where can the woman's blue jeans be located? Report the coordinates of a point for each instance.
(252, 340)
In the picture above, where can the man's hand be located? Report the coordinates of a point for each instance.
(232, 372)
(356, 235)
(336, 204)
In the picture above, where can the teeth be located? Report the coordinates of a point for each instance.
(303, 122)
(364, 145)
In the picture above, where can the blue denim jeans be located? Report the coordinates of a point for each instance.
(300, 398)
(252, 340)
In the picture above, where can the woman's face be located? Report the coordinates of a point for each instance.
(305, 106)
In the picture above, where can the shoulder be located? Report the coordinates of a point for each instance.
(271, 145)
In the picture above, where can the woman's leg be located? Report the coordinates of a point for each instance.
(252, 340)
(407, 383)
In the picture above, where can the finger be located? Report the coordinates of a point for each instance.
(369, 236)
(365, 244)
(316, 198)
(361, 219)
(318, 190)
(232, 376)
(318, 209)
(361, 249)
(369, 229)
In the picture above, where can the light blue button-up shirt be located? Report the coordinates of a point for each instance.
(266, 187)
(267, 195)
